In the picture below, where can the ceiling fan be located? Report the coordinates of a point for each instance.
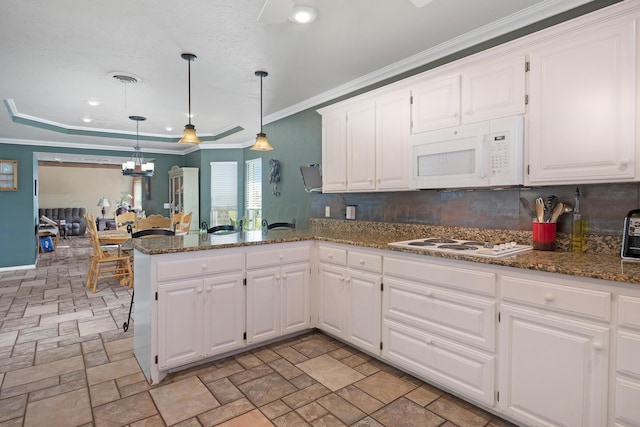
(278, 11)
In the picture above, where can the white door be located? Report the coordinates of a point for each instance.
(553, 371)
(393, 126)
(363, 310)
(295, 297)
(180, 323)
(435, 104)
(331, 287)
(494, 89)
(334, 151)
(224, 313)
(582, 107)
(361, 152)
(263, 304)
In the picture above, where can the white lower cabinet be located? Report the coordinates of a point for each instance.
(349, 296)
(439, 330)
(553, 367)
(627, 388)
(199, 318)
(278, 297)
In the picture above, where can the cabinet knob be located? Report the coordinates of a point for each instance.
(428, 341)
(199, 290)
(284, 276)
(597, 345)
(361, 262)
(429, 293)
(277, 277)
(208, 289)
(204, 266)
(281, 257)
(623, 165)
(342, 279)
(548, 297)
(330, 256)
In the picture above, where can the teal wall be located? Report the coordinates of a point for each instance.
(297, 141)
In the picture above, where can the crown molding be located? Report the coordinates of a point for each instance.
(497, 28)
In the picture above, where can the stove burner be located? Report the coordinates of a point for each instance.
(441, 240)
(474, 243)
(422, 243)
(462, 247)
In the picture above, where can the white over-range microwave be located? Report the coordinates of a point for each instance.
(485, 154)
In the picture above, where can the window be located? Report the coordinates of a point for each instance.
(224, 193)
(253, 194)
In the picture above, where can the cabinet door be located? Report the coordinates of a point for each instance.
(493, 90)
(582, 109)
(334, 151)
(295, 297)
(263, 304)
(553, 371)
(361, 140)
(393, 126)
(363, 310)
(180, 323)
(331, 287)
(435, 104)
(224, 313)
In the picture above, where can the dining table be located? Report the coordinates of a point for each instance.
(114, 237)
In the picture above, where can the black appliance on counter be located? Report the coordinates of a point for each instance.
(631, 235)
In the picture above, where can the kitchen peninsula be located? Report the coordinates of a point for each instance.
(465, 323)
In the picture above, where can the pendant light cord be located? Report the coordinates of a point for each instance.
(261, 78)
(189, 84)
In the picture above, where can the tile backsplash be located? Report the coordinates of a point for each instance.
(604, 206)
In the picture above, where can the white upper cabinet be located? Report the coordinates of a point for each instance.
(494, 89)
(364, 143)
(484, 89)
(334, 146)
(582, 106)
(435, 104)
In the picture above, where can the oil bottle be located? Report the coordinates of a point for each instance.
(578, 227)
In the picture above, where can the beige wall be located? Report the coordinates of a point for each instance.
(80, 187)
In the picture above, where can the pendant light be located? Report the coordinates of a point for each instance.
(136, 166)
(262, 143)
(189, 136)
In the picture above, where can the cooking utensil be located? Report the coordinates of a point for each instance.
(558, 210)
(528, 208)
(540, 209)
(550, 205)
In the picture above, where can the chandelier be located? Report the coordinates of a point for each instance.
(136, 166)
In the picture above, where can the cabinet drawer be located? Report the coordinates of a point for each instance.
(426, 272)
(629, 312)
(277, 255)
(176, 269)
(465, 318)
(628, 351)
(365, 261)
(583, 302)
(469, 372)
(333, 255)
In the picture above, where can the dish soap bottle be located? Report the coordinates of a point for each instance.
(578, 227)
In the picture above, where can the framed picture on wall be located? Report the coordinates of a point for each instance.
(8, 175)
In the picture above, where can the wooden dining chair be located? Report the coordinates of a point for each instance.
(103, 265)
(185, 225)
(268, 226)
(155, 221)
(127, 218)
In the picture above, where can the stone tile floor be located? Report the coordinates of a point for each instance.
(65, 361)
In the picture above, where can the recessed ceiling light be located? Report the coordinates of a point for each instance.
(86, 119)
(303, 15)
(93, 102)
(168, 128)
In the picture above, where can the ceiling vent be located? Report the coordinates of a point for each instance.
(127, 78)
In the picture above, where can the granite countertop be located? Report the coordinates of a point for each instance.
(591, 265)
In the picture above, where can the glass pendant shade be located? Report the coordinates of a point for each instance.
(262, 143)
(189, 136)
(136, 166)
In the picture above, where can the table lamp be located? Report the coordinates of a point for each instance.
(104, 203)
